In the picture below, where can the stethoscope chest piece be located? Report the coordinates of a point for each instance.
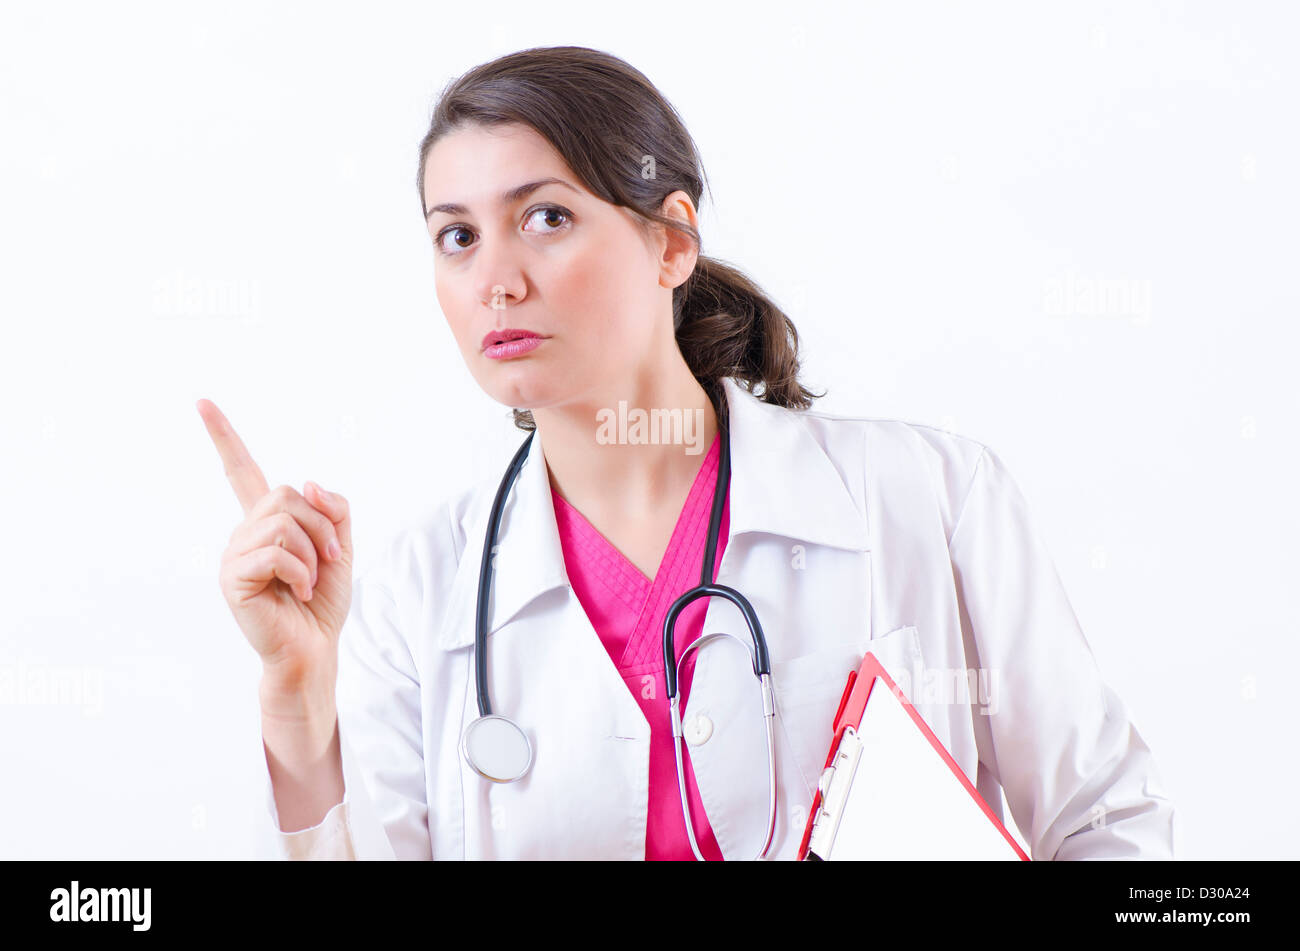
(497, 749)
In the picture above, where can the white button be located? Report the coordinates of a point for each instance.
(698, 729)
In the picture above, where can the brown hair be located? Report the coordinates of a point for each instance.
(628, 146)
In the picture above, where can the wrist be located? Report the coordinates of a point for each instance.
(289, 699)
(300, 737)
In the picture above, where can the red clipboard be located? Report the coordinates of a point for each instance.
(873, 755)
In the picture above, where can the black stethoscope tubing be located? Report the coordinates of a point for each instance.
(706, 587)
(485, 578)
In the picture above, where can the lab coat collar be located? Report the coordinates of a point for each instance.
(782, 484)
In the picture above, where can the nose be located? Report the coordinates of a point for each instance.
(499, 298)
(498, 278)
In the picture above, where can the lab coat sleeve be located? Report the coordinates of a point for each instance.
(330, 839)
(383, 813)
(1078, 779)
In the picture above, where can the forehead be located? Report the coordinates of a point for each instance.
(474, 164)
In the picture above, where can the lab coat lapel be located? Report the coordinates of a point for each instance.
(782, 481)
(529, 560)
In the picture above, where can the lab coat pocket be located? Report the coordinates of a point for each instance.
(899, 652)
(808, 691)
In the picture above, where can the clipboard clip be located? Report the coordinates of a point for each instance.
(832, 785)
(832, 793)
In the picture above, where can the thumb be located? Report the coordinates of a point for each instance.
(336, 509)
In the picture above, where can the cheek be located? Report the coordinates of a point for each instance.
(459, 316)
(594, 291)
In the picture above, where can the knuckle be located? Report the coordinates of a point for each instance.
(285, 523)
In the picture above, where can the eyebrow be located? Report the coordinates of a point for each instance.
(507, 198)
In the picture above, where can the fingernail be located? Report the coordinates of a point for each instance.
(322, 493)
(332, 549)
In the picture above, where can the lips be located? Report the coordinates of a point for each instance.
(502, 336)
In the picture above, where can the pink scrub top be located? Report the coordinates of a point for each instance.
(627, 610)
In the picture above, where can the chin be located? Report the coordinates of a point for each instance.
(520, 391)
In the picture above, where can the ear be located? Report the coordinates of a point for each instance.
(677, 252)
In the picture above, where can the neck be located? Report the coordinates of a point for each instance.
(611, 460)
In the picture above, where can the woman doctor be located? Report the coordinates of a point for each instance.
(560, 192)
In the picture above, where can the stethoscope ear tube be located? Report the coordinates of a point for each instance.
(769, 714)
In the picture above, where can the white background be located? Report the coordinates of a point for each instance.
(218, 201)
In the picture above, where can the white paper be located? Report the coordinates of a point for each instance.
(905, 802)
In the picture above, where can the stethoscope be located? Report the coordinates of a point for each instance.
(496, 747)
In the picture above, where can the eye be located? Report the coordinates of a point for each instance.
(551, 210)
(454, 229)
(555, 219)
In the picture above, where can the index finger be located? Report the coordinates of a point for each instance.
(244, 475)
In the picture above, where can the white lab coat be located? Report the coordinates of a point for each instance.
(846, 534)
